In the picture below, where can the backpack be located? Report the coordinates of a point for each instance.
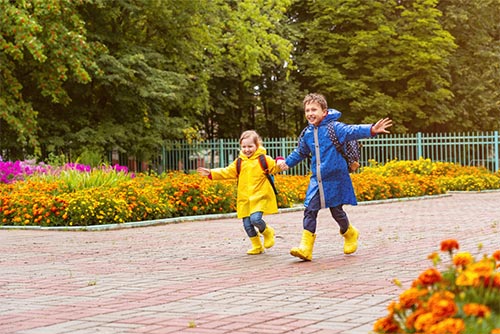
(351, 150)
(265, 168)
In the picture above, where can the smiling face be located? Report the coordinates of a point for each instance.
(314, 113)
(248, 146)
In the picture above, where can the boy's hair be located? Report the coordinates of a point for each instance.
(251, 134)
(315, 97)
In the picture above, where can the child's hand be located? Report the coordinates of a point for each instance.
(203, 171)
(282, 165)
(381, 126)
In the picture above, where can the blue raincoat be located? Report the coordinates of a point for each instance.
(330, 174)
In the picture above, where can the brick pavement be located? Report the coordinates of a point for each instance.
(194, 277)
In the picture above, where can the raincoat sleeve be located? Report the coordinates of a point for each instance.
(300, 153)
(271, 164)
(347, 132)
(225, 173)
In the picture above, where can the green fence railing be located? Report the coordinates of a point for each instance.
(477, 149)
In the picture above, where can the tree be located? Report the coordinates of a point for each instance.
(43, 47)
(475, 66)
(153, 84)
(379, 59)
(251, 44)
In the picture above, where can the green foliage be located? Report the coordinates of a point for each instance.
(388, 58)
(76, 180)
(125, 75)
(475, 66)
(255, 57)
(44, 46)
(91, 158)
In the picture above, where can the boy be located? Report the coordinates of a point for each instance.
(330, 185)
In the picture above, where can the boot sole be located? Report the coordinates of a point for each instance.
(299, 255)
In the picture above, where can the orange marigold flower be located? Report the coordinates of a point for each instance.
(393, 307)
(442, 304)
(496, 280)
(430, 276)
(449, 245)
(477, 310)
(410, 320)
(496, 255)
(492, 281)
(386, 325)
(463, 259)
(416, 283)
(495, 331)
(448, 326)
(432, 255)
(425, 321)
(411, 297)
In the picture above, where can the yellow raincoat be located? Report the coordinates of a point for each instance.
(255, 192)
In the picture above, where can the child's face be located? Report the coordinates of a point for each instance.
(248, 146)
(314, 113)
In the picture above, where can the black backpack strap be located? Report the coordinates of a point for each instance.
(238, 167)
(335, 140)
(263, 163)
(265, 168)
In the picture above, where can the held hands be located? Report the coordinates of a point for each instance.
(203, 171)
(381, 126)
(282, 165)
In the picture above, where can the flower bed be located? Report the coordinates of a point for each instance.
(77, 195)
(462, 298)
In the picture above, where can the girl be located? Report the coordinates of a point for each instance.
(256, 196)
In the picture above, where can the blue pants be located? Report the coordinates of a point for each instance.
(311, 213)
(254, 221)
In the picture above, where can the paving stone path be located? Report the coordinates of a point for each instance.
(195, 277)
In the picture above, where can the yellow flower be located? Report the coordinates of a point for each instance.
(462, 259)
(467, 278)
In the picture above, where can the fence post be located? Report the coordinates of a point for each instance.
(163, 158)
(497, 156)
(221, 153)
(419, 145)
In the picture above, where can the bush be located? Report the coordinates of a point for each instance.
(76, 194)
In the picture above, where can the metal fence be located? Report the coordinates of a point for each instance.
(474, 149)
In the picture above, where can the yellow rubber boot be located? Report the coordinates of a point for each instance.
(256, 246)
(268, 237)
(305, 250)
(350, 240)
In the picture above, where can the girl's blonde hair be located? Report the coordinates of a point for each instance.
(315, 97)
(251, 134)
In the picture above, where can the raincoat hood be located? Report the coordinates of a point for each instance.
(333, 115)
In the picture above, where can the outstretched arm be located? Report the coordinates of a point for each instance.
(381, 126)
(203, 171)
